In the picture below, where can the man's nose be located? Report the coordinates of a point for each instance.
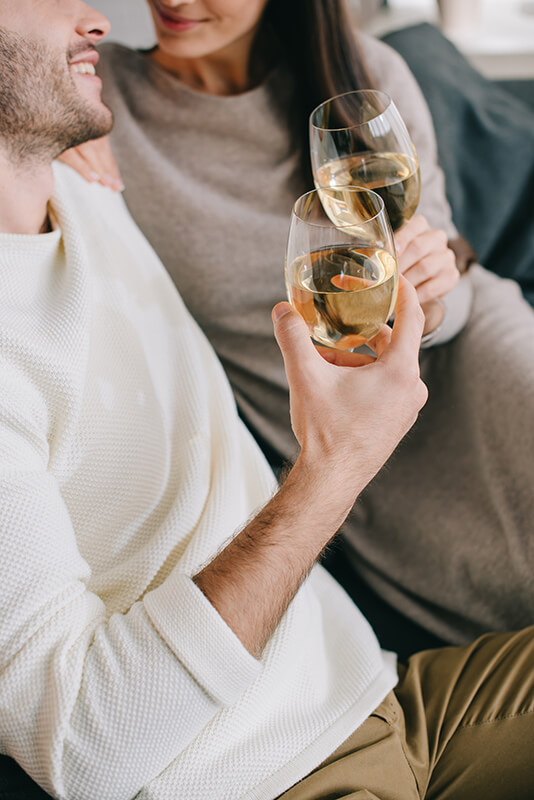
(92, 24)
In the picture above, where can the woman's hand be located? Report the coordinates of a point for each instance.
(94, 161)
(425, 259)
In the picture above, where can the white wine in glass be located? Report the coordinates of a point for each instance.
(341, 270)
(359, 139)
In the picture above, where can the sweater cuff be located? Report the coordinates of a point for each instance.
(457, 307)
(201, 639)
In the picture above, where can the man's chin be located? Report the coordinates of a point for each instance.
(97, 126)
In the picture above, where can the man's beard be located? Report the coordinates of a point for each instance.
(41, 111)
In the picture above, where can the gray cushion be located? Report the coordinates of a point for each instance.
(486, 148)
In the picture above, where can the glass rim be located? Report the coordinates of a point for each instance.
(357, 124)
(330, 224)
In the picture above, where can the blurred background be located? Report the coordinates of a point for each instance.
(497, 36)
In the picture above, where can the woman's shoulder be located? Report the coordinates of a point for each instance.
(384, 63)
(114, 51)
(117, 59)
(391, 74)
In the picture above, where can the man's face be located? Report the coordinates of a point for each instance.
(50, 98)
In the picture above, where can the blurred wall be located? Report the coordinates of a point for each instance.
(131, 22)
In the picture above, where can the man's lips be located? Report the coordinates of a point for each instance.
(86, 57)
(84, 64)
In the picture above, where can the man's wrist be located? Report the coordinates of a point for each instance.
(326, 483)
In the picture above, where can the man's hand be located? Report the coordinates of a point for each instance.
(95, 162)
(350, 411)
(426, 260)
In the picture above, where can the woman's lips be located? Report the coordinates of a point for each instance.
(178, 23)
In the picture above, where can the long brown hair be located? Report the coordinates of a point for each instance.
(318, 40)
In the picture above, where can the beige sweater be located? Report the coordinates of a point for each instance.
(211, 181)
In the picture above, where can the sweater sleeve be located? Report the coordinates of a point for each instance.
(93, 704)
(393, 76)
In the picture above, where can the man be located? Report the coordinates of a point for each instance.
(147, 647)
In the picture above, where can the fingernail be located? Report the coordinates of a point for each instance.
(280, 311)
(109, 180)
(94, 176)
(118, 185)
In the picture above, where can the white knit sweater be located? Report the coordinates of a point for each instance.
(123, 469)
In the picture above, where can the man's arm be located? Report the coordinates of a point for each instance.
(168, 663)
(348, 417)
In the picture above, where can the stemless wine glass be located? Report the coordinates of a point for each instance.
(341, 269)
(360, 139)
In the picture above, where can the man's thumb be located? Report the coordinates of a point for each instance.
(293, 336)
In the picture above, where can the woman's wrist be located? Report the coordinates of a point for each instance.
(434, 312)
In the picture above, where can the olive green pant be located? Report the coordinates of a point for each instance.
(459, 725)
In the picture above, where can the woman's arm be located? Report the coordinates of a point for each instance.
(393, 76)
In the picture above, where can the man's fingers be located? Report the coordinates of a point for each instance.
(381, 340)
(344, 358)
(409, 231)
(294, 341)
(408, 326)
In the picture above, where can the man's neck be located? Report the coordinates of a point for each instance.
(25, 192)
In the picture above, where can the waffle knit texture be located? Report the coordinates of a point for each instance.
(124, 469)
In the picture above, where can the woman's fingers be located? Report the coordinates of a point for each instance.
(440, 265)
(431, 242)
(437, 287)
(410, 231)
(95, 162)
(75, 160)
(426, 260)
(100, 153)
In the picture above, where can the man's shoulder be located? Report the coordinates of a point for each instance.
(97, 226)
(79, 193)
(95, 210)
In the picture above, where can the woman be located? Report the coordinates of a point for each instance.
(211, 141)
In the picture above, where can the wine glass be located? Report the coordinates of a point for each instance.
(341, 269)
(360, 139)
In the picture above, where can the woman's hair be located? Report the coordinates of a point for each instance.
(318, 39)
